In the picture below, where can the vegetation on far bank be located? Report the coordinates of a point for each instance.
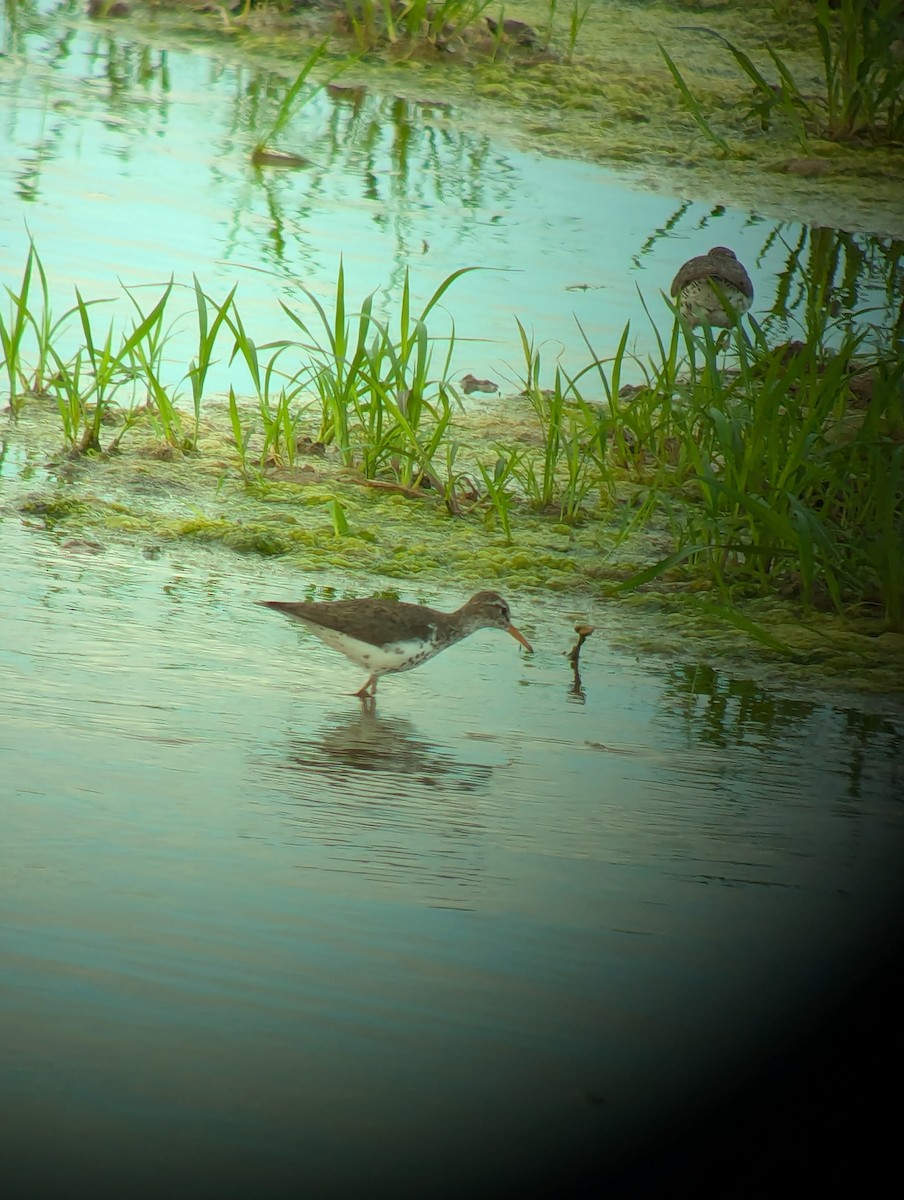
(769, 103)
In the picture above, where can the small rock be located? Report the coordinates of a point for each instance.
(470, 383)
(517, 31)
(305, 445)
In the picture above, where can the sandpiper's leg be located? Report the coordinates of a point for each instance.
(369, 690)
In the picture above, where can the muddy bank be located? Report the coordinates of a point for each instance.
(389, 540)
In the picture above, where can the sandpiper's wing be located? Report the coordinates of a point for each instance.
(373, 620)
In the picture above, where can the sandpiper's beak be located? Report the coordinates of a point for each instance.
(519, 637)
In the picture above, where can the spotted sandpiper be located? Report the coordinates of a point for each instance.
(713, 289)
(385, 636)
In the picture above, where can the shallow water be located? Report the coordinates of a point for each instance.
(258, 943)
(258, 939)
(130, 161)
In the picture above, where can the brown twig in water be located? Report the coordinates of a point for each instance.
(583, 632)
(388, 485)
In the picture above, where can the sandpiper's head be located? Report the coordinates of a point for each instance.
(488, 610)
(723, 252)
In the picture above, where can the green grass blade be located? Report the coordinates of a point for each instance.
(732, 617)
(693, 107)
(658, 568)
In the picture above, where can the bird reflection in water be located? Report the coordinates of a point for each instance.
(369, 798)
(365, 741)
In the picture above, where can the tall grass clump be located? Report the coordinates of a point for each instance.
(147, 362)
(863, 68)
(431, 22)
(498, 481)
(775, 476)
(568, 465)
(279, 407)
(413, 23)
(381, 403)
(861, 90)
(639, 425)
(88, 385)
(580, 10)
(576, 18)
(29, 335)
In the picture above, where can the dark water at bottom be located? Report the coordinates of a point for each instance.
(257, 943)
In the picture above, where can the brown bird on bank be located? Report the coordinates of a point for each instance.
(387, 636)
(713, 289)
(518, 31)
